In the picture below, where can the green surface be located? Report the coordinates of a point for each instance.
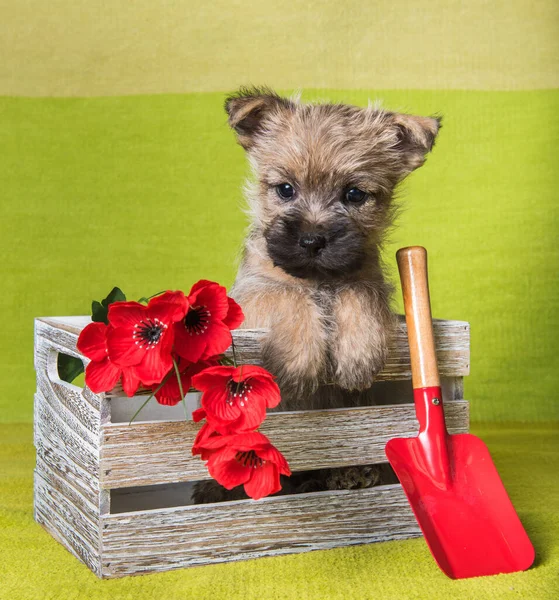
(35, 567)
(145, 193)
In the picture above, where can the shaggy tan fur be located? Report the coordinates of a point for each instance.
(331, 329)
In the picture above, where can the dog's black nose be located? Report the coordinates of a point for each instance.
(312, 242)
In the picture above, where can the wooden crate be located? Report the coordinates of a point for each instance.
(117, 496)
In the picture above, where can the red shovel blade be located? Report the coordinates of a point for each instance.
(462, 507)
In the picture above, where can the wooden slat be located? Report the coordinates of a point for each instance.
(159, 452)
(68, 417)
(159, 540)
(75, 495)
(452, 339)
(53, 454)
(50, 426)
(67, 524)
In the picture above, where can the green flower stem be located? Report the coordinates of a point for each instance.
(180, 388)
(148, 298)
(150, 397)
(234, 352)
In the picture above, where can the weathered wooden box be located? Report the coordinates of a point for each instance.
(117, 496)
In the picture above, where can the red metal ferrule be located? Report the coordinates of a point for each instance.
(429, 410)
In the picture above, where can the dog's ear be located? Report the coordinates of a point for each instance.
(415, 137)
(249, 108)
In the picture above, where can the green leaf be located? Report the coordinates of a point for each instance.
(69, 367)
(115, 295)
(100, 310)
(99, 313)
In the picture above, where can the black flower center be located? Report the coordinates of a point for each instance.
(238, 390)
(197, 319)
(148, 332)
(249, 459)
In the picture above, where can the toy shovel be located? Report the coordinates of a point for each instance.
(451, 483)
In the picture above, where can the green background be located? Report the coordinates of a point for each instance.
(117, 167)
(144, 192)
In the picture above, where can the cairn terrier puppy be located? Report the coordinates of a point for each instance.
(320, 202)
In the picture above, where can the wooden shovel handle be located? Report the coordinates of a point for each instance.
(412, 264)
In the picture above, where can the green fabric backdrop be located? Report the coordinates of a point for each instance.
(145, 192)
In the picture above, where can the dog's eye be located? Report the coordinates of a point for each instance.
(355, 195)
(285, 190)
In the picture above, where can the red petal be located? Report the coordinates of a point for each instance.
(207, 442)
(189, 347)
(213, 296)
(126, 314)
(271, 454)
(234, 316)
(198, 415)
(253, 440)
(212, 377)
(199, 285)
(219, 413)
(264, 481)
(130, 381)
(154, 366)
(93, 341)
(245, 371)
(198, 367)
(101, 376)
(169, 307)
(122, 347)
(267, 390)
(170, 394)
(213, 440)
(253, 412)
(217, 338)
(226, 470)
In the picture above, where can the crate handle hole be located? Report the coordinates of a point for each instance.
(66, 369)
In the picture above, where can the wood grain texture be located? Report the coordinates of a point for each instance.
(412, 265)
(151, 541)
(452, 339)
(51, 451)
(61, 404)
(160, 452)
(67, 524)
(76, 449)
(74, 494)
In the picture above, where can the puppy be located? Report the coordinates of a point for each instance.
(320, 202)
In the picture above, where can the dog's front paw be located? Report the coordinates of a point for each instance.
(360, 342)
(356, 367)
(297, 359)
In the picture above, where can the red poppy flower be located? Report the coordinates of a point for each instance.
(247, 459)
(200, 442)
(101, 374)
(235, 398)
(142, 336)
(170, 393)
(206, 327)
